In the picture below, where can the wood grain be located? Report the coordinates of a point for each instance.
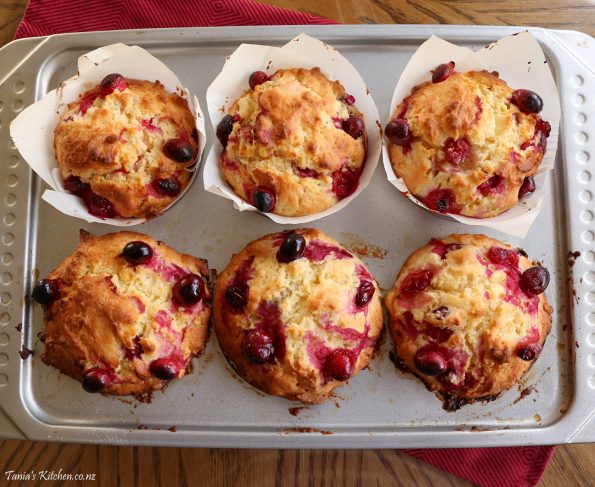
(146, 466)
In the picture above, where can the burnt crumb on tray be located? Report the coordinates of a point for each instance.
(452, 403)
(25, 352)
(572, 256)
(19, 327)
(295, 411)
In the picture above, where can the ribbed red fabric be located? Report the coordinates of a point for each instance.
(487, 467)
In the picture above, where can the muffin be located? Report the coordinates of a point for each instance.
(467, 143)
(297, 315)
(124, 147)
(294, 143)
(468, 316)
(125, 314)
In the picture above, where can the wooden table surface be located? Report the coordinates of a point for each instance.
(144, 466)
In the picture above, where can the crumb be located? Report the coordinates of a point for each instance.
(572, 256)
(25, 353)
(295, 411)
(173, 429)
(19, 327)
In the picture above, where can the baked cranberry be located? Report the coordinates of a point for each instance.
(365, 291)
(441, 200)
(99, 206)
(46, 291)
(527, 352)
(353, 126)
(263, 199)
(339, 364)
(398, 132)
(188, 290)
(345, 181)
(179, 150)
(416, 282)
(137, 252)
(164, 368)
(527, 187)
(224, 128)
(501, 256)
(430, 362)
(258, 346)
(456, 151)
(491, 185)
(527, 101)
(292, 248)
(349, 99)
(257, 78)
(237, 297)
(534, 280)
(443, 71)
(167, 187)
(96, 379)
(441, 312)
(112, 82)
(75, 185)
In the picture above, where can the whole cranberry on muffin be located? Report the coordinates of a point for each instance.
(468, 316)
(294, 143)
(124, 147)
(125, 314)
(296, 314)
(467, 143)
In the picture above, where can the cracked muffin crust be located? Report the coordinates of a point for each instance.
(296, 314)
(294, 143)
(467, 143)
(124, 313)
(124, 147)
(468, 316)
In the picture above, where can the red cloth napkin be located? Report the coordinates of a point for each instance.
(487, 467)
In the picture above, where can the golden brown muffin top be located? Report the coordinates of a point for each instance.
(467, 315)
(471, 150)
(114, 318)
(298, 135)
(301, 327)
(129, 146)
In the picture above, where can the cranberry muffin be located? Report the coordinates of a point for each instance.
(124, 147)
(468, 316)
(297, 315)
(294, 143)
(467, 143)
(125, 314)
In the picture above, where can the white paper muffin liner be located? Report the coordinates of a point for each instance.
(301, 52)
(520, 62)
(33, 130)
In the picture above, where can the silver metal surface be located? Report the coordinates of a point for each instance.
(381, 407)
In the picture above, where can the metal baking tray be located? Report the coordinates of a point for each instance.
(381, 407)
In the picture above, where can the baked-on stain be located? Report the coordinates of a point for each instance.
(356, 244)
(297, 430)
(524, 393)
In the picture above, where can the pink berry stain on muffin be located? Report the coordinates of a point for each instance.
(465, 142)
(121, 148)
(456, 322)
(129, 316)
(294, 143)
(300, 336)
